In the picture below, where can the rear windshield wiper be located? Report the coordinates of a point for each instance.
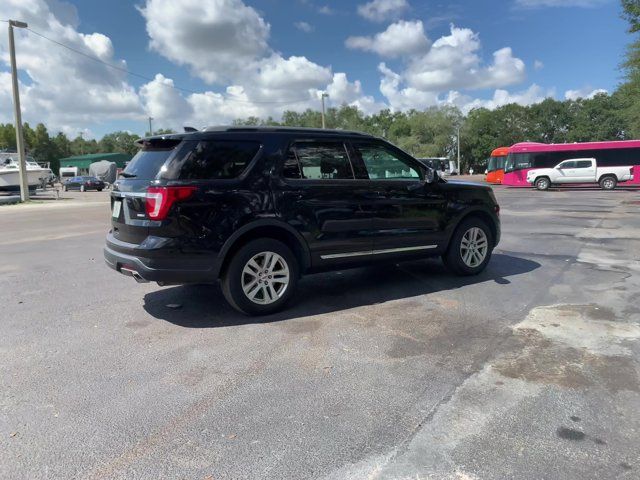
(128, 175)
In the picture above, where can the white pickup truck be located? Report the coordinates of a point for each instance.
(578, 170)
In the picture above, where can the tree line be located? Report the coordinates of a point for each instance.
(432, 132)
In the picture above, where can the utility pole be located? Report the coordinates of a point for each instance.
(81, 135)
(150, 128)
(459, 171)
(322, 97)
(24, 180)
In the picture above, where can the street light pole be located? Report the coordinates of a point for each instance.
(459, 172)
(24, 180)
(322, 97)
(150, 128)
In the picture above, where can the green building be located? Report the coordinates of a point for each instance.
(83, 161)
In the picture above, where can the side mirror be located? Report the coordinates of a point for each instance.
(430, 175)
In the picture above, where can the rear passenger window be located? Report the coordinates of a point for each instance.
(583, 164)
(318, 161)
(216, 159)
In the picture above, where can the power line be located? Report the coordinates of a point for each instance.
(149, 79)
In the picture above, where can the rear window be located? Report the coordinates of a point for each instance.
(147, 162)
(211, 159)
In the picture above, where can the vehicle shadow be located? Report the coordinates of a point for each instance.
(203, 306)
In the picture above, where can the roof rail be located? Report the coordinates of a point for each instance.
(255, 128)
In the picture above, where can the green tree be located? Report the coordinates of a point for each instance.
(629, 93)
(119, 142)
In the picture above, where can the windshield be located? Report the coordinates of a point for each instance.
(517, 161)
(491, 165)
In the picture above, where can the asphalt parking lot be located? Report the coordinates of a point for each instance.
(530, 370)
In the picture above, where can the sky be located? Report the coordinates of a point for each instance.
(208, 62)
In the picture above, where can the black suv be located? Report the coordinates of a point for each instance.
(258, 207)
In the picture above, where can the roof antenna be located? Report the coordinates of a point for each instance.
(190, 129)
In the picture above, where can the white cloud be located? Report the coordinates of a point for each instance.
(342, 91)
(304, 27)
(216, 39)
(381, 10)
(453, 62)
(162, 101)
(538, 65)
(326, 10)
(560, 3)
(401, 38)
(295, 73)
(585, 92)
(403, 98)
(260, 81)
(65, 89)
(533, 94)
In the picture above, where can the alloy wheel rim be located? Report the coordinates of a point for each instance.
(542, 183)
(265, 278)
(608, 183)
(474, 247)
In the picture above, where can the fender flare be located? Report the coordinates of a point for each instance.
(266, 222)
(470, 212)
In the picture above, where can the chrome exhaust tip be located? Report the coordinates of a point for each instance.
(137, 277)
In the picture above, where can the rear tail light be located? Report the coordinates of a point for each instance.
(160, 200)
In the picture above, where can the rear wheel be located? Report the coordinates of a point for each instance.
(99, 189)
(470, 248)
(542, 183)
(608, 183)
(261, 277)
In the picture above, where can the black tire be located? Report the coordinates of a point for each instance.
(608, 182)
(542, 183)
(453, 258)
(99, 189)
(233, 277)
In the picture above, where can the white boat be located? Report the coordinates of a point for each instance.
(10, 172)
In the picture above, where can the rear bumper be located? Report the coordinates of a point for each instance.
(157, 266)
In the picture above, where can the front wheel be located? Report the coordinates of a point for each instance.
(470, 248)
(261, 277)
(608, 183)
(542, 183)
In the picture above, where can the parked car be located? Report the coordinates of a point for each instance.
(83, 184)
(579, 170)
(258, 207)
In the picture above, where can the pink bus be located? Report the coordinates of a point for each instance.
(526, 156)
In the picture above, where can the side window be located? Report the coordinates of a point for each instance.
(219, 159)
(384, 164)
(584, 164)
(318, 161)
(568, 164)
